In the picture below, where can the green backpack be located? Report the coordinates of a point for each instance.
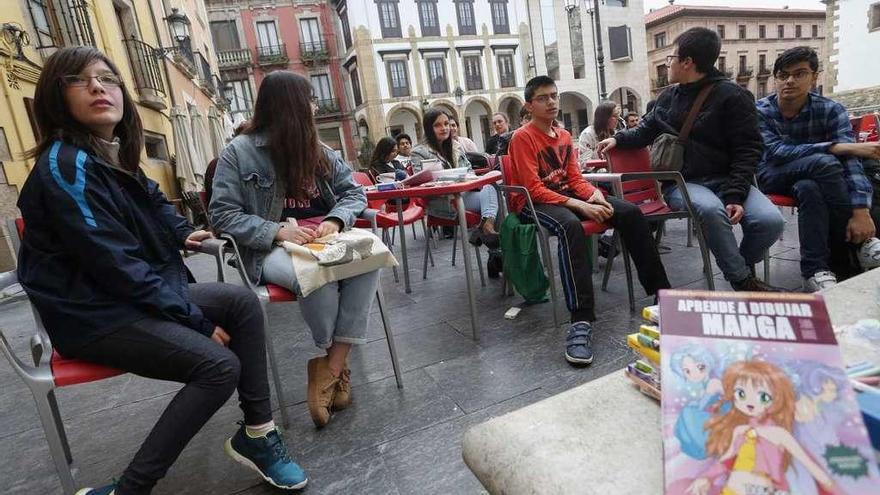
(522, 263)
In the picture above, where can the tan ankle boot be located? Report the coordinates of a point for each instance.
(322, 390)
(343, 391)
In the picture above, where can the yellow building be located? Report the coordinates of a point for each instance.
(165, 53)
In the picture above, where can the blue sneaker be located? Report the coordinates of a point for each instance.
(267, 456)
(579, 343)
(104, 490)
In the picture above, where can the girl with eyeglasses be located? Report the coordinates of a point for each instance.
(100, 260)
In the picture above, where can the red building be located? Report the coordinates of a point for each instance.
(253, 39)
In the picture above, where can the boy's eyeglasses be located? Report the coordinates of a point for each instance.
(798, 76)
(79, 81)
(544, 99)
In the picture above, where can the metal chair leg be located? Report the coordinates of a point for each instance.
(707, 260)
(766, 266)
(593, 247)
(454, 243)
(609, 262)
(480, 266)
(415, 237)
(392, 350)
(59, 424)
(56, 440)
(273, 367)
(548, 265)
(386, 240)
(690, 236)
(429, 236)
(629, 281)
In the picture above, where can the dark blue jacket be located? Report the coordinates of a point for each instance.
(100, 249)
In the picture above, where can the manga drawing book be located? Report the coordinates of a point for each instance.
(755, 400)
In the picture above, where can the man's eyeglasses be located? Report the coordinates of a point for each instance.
(544, 99)
(80, 81)
(670, 58)
(798, 76)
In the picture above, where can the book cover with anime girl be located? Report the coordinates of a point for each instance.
(754, 399)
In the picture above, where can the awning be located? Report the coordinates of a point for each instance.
(185, 150)
(215, 122)
(202, 141)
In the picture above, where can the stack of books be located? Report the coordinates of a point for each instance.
(645, 371)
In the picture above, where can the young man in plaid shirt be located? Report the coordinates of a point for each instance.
(810, 154)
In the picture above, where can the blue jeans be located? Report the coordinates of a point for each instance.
(824, 207)
(338, 311)
(762, 225)
(484, 201)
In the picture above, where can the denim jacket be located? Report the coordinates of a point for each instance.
(439, 206)
(247, 204)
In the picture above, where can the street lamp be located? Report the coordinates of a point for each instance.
(179, 24)
(570, 6)
(425, 105)
(459, 95)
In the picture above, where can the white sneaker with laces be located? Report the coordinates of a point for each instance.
(819, 281)
(869, 254)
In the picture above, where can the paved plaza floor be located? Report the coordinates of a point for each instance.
(390, 441)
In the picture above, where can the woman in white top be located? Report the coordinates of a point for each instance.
(606, 116)
(466, 143)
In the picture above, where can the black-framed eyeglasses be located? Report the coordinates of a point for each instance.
(798, 75)
(544, 99)
(80, 81)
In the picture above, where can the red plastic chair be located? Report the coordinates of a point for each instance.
(49, 372)
(634, 181)
(868, 128)
(387, 218)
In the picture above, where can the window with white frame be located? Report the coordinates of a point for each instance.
(389, 18)
(437, 75)
(310, 33)
(267, 38)
(321, 86)
(40, 15)
(500, 22)
(398, 78)
(506, 74)
(240, 97)
(464, 10)
(428, 17)
(473, 72)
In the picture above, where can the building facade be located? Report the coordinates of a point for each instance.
(564, 35)
(851, 49)
(751, 39)
(254, 38)
(136, 35)
(403, 57)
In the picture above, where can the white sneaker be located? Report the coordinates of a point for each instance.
(869, 254)
(820, 281)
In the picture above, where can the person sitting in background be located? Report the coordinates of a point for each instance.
(543, 162)
(498, 142)
(440, 146)
(524, 116)
(466, 144)
(632, 120)
(383, 160)
(404, 148)
(722, 153)
(810, 153)
(100, 260)
(605, 120)
(275, 170)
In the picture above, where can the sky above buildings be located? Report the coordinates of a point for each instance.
(793, 4)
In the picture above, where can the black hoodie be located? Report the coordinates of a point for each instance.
(724, 141)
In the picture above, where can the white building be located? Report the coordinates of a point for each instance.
(563, 33)
(853, 47)
(405, 56)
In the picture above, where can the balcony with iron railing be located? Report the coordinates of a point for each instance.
(185, 57)
(74, 23)
(745, 72)
(231, 59)
(314, 53)
(206, 79)
(326, 107)
(473, 82)
(661, 82)
(763, 72)
(439, 85)
(146, 74)
(272, 54)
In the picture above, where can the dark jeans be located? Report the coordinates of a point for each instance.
(817, 183)
(575, 266)
(165, 350)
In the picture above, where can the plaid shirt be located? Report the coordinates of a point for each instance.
(820, 123)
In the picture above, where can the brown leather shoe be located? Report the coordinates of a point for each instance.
(322, 390)
(343, 391)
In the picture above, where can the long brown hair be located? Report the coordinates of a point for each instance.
(445, 149)
(283, 112)
(781, 411)
(603, 113)
(54, 120)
